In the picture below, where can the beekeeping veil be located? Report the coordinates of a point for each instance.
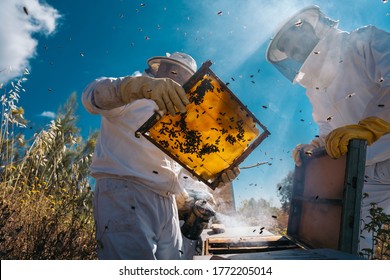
(296, 40)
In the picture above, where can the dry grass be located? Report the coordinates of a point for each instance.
(45, 193)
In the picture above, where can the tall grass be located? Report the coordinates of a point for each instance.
(45, 192)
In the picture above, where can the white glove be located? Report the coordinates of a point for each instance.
(307, 148)
(184, 202)
(228, 176)
(169, 95)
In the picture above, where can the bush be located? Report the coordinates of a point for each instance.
(45, 192)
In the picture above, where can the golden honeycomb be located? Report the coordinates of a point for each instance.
(214, 133)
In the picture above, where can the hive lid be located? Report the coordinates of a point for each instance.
(216, 133)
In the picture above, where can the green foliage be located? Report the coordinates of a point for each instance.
(379, 226)
(45, 193)
(284, 191)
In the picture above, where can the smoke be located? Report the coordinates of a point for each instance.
(230, 221)
(19, 20)
(258, 218)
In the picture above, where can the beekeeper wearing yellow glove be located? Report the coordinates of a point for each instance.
(347, 80)
(138, 187)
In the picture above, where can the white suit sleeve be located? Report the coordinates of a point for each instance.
(376, 51)
(104, 87)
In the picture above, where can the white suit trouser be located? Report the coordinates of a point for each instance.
(377, 186)
(133, 222)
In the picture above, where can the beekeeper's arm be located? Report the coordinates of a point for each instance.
(376, 121)
(110, 93)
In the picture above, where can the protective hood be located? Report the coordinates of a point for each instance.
(321, 66)
(296, 40)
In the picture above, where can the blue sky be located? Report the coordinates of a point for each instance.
(67, 44)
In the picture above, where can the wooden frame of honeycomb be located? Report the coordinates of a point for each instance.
(216, 133)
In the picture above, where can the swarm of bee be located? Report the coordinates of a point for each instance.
(212, 134)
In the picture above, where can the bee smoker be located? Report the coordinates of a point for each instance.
(197, 219)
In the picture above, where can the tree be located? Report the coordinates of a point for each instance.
(259, 213)
(284, 191)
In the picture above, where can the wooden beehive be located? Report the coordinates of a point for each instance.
(326, 199)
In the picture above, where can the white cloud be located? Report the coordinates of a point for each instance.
(19, 20)
(136, 74)
(48, 114)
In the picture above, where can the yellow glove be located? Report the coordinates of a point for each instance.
(370, 129)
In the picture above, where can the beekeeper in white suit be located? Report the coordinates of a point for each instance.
(347, 80)
(137, 185)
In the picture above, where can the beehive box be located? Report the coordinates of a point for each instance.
(216, 133)
(326, 199)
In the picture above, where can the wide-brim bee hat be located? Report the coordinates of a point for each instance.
(181, 60)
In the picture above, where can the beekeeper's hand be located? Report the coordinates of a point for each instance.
(306, 148)
(228, 176)
(184, 203)
(370, 129)
(169, 95)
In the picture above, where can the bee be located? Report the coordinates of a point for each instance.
(298, 23)
(309, 153)
(329, 118)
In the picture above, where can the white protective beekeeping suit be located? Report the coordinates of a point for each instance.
(138, 187)
(134, 202)
(347, 80)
